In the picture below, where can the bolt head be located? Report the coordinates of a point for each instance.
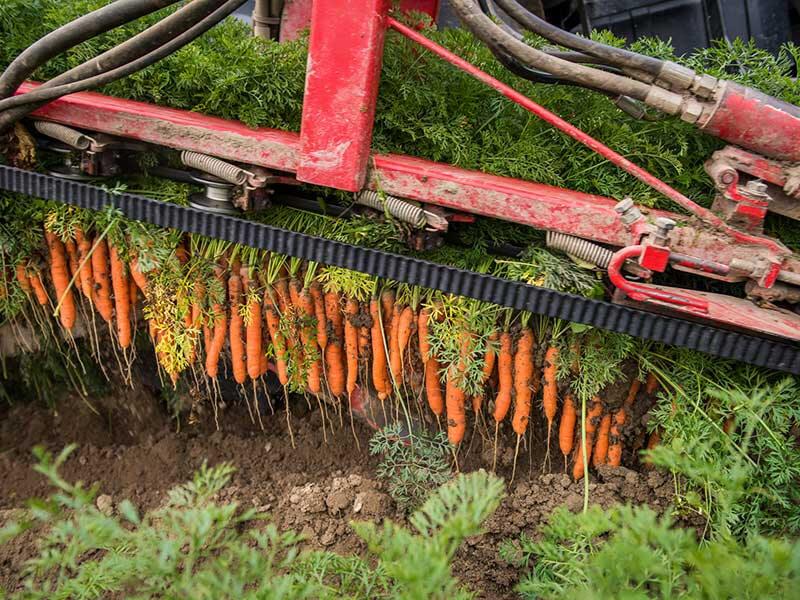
(624, 206)
(756, 186)
(665, 223)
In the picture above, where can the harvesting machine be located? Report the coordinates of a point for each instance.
(241, 168)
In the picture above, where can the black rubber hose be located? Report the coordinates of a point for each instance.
(47, 94)
(487, 31)
(615, 56)
(78, 31)
(139, 45)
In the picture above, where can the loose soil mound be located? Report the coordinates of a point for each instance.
(133, 450)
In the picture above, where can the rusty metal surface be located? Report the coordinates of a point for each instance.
(753, 120)
(344, 61)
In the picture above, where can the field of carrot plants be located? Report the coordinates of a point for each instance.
(201, 419)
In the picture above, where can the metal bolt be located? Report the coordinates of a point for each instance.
(756, 187)
(628, 211)
(624, 206)
(665, 224)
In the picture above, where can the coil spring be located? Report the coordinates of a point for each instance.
(68, 136)
(214, 166)
(583, 249)
(397, 207)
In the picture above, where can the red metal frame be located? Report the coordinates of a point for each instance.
(333, 150)
(344, 64)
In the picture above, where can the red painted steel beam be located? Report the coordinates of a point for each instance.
(344, 62)
(528, 203)
(179, 129)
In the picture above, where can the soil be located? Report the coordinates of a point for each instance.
(132, 448)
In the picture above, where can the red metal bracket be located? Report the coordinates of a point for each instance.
(344, 61)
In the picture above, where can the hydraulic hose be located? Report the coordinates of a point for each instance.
(616, 56)
(492, 35)
(81, 29)
(47, 94)
(139, 45)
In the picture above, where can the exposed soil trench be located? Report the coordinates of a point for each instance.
(131, 447)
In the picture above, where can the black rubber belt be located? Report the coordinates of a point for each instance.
(613, 317)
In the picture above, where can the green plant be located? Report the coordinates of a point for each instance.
(633, 553)
(729, 436)
(412, 465)
(194, 547)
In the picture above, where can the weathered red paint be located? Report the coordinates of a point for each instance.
(753, 120)
(179, 129)
(344, 62)
(297, 15)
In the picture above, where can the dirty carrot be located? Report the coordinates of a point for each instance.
(422, 334)
(395, 364)
(278, 343)
(235, 329)
(334, 352)
(101, 280)
(380, 376)
(652, 384)
(138, 276)
(566, 428)
(351, 343)
(505, 378)
(59, 273)
(455, 397)
(615, 438)
(22, 278)
(523, 375)
(550, 391)
(255, 352)
(601, 447)
(133, 293)
(433, 387)
(309, 339)
(319, 312)
(72, 253)
(122, 301)
(592, 420)
(38, 288)
(404, 330)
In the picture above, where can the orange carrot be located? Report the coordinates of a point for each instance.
(133, 293)
(523, 374)
(489, 360)
(615, 438)
(455, 397)
(334, 351)
(59, 273)
(309, 339)
(652, 384)
(380, 375)
(215, 342)
(363, 343)
(122, 301)
(634, 389)
(404, 331)
(236, 326)
(22, 278)
(592, 420)
(566, 428)
(351, 344)
(550, 393)
(85, 275)
(72, 253)
(273, 326)
(422, 334)
(138, 276)
(601, 447)
(505, 378)
(38, 288)
(395, 364)
(433, 386)
(101, 280)
(254, 350)
(319, 312)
